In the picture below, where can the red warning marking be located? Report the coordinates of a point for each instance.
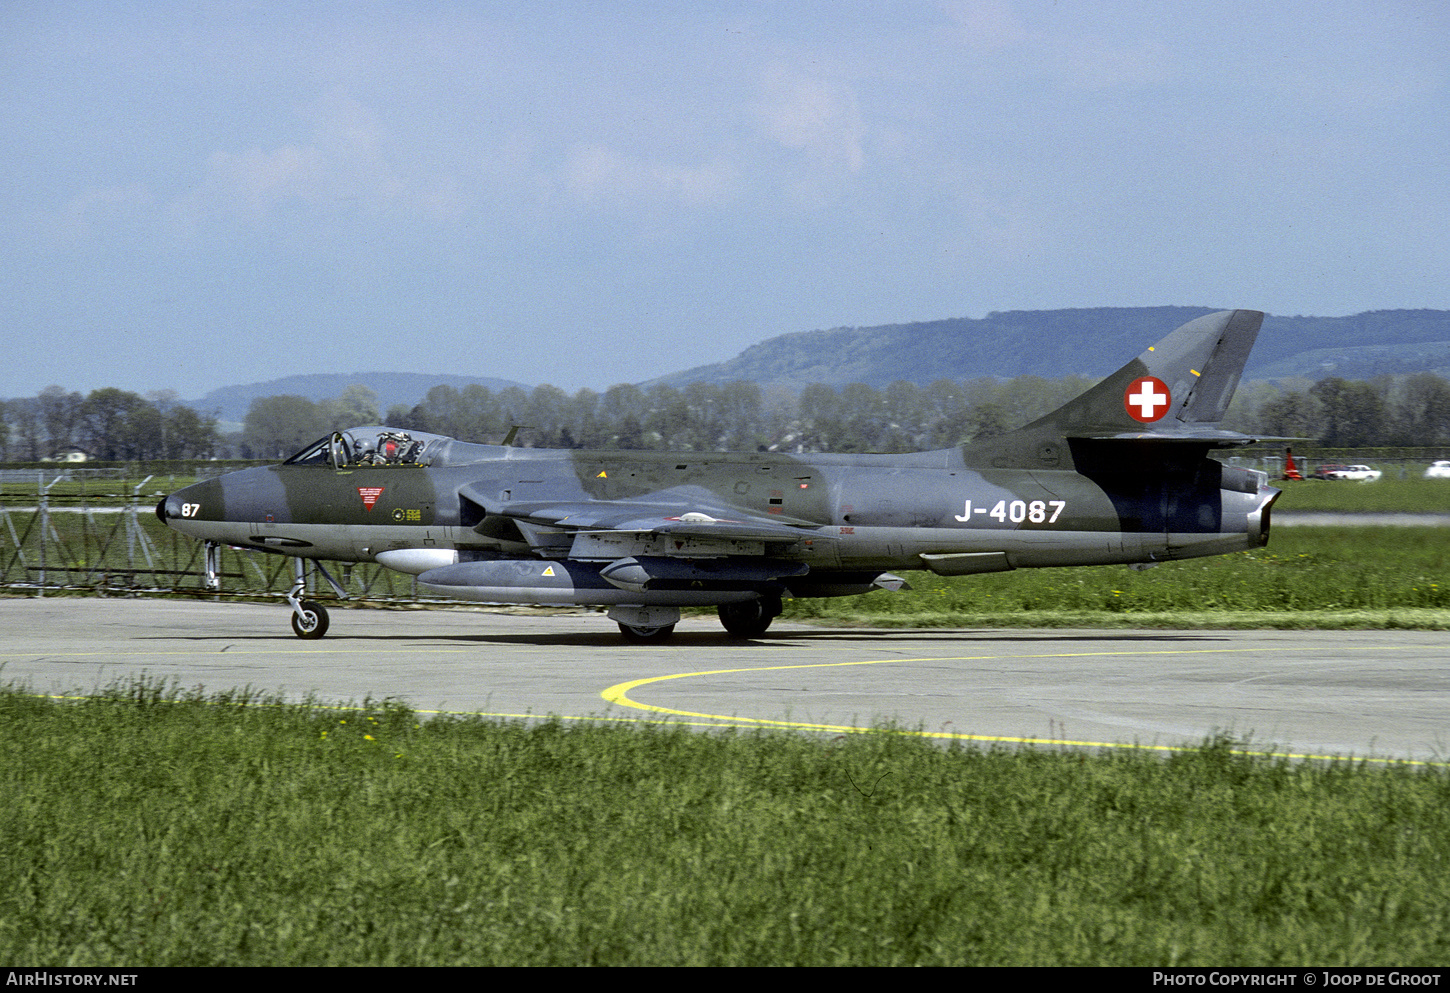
(369, 495)
(1146, 399)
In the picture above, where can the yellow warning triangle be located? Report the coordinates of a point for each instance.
(602, 475)
(549, 571)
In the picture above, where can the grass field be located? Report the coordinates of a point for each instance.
(1323, 577)
(151, 827)
(1414, 495)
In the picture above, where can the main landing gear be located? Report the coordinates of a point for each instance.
(652, 625)
(749, 618)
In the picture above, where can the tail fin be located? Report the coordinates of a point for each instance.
(1184, 381)
(1176, 391)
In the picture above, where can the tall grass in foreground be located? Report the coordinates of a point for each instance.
(1306, 577)
(205, 831)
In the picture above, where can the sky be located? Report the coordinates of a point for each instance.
(197, 194)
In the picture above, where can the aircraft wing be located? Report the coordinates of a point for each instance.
(655, 519)
(684, 524)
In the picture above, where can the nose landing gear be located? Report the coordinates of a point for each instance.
(309, 618)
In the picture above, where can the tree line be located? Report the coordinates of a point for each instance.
(741, 416)
(113, 424)
(734, 416)
(1409, 410)
(107, 424)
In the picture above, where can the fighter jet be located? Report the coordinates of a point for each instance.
(1120, 474)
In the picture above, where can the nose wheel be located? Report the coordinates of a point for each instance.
(309, 618)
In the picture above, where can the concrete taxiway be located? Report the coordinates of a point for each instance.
(1383, 694)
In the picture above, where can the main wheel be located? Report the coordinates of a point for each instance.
(646, 636)
(749, 619)
(313, 621)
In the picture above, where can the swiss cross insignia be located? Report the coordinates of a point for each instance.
(1146, 399)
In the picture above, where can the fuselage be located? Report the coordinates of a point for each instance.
(855, 513)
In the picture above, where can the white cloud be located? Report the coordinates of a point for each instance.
(343, 170)
(254, 182)
(814, 116)
(986, 24)
(596, 174)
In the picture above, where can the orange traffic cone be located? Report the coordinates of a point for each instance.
(1291, 471)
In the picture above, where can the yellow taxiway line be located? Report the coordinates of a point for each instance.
(619, 694)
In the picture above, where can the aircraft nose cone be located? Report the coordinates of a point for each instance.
(169, 509)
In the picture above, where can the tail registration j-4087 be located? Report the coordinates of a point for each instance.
(1016, 511)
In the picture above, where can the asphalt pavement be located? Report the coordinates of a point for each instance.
(1378, 694)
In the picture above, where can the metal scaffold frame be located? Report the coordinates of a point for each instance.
(105, 540)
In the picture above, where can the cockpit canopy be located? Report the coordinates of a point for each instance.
(374, 445)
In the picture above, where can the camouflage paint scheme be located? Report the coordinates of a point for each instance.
(1119, 474)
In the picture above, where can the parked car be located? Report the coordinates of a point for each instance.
(1362, 473)
(1438, 470)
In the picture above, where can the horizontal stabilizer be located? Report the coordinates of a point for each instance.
(1213, 439)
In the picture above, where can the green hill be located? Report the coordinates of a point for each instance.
(1088, 342)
